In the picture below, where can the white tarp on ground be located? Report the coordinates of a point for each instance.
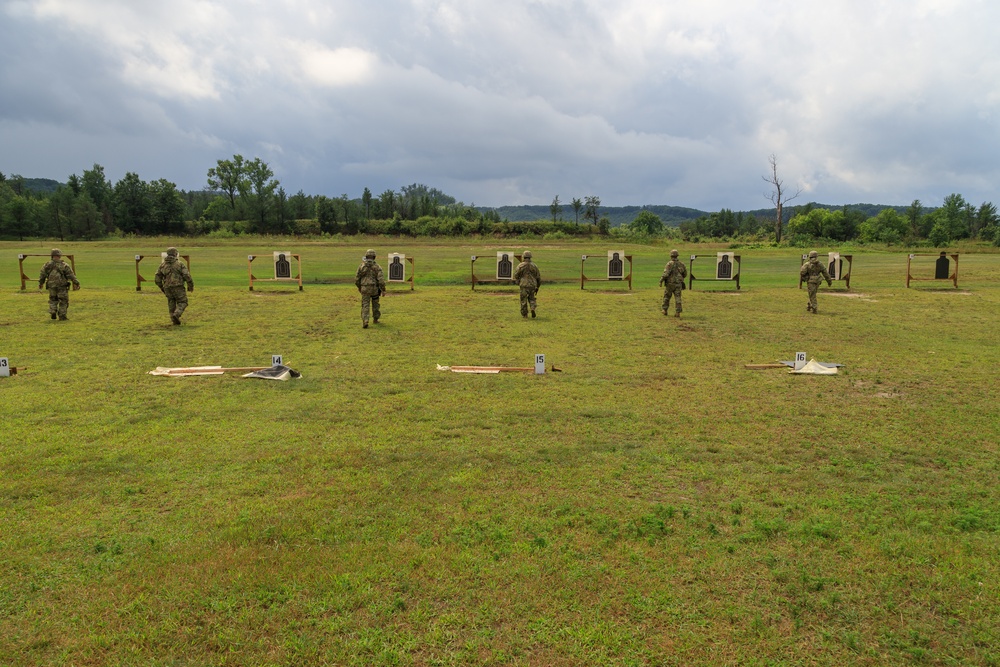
(815, 368)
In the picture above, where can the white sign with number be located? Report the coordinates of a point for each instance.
(276, 360)
(539, 364)
(800, 360)
(4, 368)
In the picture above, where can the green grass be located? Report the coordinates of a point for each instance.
(653, 504)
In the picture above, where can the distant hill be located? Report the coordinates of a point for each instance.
(617, 215)
(672, 216)
(42, 186)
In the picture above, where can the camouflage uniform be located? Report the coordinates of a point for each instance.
(529, 279)
(673, 278)
(170, 278)
(813, 273)
(370, 281)
(57, 275)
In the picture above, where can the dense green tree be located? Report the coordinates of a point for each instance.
(166, 207)
(85, 219)
(887, 227)
(301, 206)
(577, 205)
(986, 219)
(19, 217)
(366, 201)
(646, 222)
(132, 205)
(257, 188)
(326, 215)
(226, 177)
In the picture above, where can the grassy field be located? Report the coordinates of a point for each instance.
(653, 504)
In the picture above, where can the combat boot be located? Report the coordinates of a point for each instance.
(52, 315)
(677, 314)
(533, 314)
(175, 319)
(63, 317)
(364, 325)
(665, 312)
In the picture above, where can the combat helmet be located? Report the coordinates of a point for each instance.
(369, 254)
(56, 252)
(674, 253)
(171, 252)
(526, 254)
(813, 254)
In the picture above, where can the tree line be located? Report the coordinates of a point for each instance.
(243, 196)
(915, 225)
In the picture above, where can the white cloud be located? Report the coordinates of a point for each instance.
(334, 67)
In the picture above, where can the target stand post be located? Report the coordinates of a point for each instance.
(20, 266)
(255, 279)
(845, 277)
(584, 279)
(942, 269)
(737, 259)
(499, 281)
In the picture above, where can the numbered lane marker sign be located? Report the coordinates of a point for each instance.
(4, 368)
(539, 364)
(800, 360)
(276, 360)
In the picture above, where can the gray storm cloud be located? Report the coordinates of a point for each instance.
(513, 103)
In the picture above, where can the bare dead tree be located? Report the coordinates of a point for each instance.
(778, 195)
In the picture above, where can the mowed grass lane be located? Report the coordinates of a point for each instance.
(654, 503)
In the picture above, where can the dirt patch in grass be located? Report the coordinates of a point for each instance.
(852, 295)
(888, 394)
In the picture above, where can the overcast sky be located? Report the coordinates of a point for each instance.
(515, 101)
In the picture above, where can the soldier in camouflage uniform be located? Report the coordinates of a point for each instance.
(170, 278)
(370, 281)
(57, 275)
(813, 273)
(673, 278)
(529, 279)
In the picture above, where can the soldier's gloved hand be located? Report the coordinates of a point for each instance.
(76, 287)
(829, 284)
(191, 288)
(40, 285)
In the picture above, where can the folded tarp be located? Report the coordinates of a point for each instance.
(277, 372)
(816, 368)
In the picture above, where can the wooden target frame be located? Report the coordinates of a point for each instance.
(737, 259)
(845, 278)
(20, 265)
(954, 274)
(139, 280)
(502, 281)
(584, 279)
(409, 260)
(255, 279)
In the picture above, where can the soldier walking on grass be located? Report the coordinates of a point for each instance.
(529, 279)
(370, 281)
(170, 278)
(673, 278)
(58, 276)
(813, 273)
